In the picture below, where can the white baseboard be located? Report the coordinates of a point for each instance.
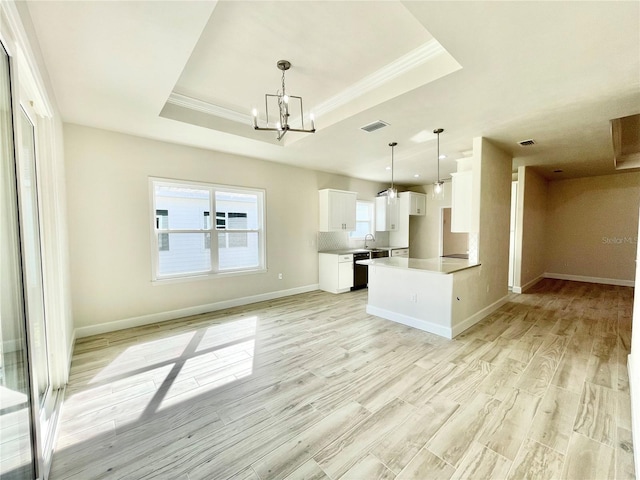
(410, 321)
(81, 332)
(580, 278)
(476, 317)
(430, 327)
(527, 285)
(72, 345)
(634, 389)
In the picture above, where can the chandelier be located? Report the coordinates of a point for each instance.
(285, 103)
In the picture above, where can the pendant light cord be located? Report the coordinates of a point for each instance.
(392, 145)
(438, 131)
(438, 158)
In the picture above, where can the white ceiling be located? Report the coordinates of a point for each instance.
(190, 72)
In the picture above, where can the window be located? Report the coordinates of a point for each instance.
(235, 221)
(364, 219)
(185, 243)
(232, 221)
(162, 223)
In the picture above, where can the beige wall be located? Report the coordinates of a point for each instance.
(592, 226)
(109, 224)
(531, 228)
(452, 242)
(634, 362)
(485, 288)
(495, 207)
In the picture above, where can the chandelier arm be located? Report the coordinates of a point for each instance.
(283, 108)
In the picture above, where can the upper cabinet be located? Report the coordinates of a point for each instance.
(465, 197)
(400, 236)
(386, 215)
(337, 210)
(417, 203)
(461, 201)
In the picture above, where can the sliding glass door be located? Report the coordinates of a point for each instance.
(16, 408)
(32, 268)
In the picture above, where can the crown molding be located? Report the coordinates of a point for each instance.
(191, 103)
(398, 67)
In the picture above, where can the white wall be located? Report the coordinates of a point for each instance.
(592, 227)
(110, 220)
(530, 231)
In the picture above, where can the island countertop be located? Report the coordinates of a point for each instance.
(443, 265)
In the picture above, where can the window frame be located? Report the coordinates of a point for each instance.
(372, 220)
(215, 271)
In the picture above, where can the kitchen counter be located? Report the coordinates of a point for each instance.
(441, 265)
(346, 251)
(428, 294)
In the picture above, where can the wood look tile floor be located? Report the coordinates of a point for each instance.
(311, 387)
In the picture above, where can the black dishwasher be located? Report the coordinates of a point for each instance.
(360, 272)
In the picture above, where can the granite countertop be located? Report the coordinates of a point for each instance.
(441, 265)
(346, 251)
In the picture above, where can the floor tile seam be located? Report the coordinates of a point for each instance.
(511, 462)
(241, 437)
(111, 405)
(370, 444)
(311, 455)
(614, 416)
(324, 445)
(594, 440)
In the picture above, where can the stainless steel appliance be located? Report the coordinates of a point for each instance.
(361, 272)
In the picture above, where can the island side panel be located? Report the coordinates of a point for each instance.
(416, 298)
(465, 297)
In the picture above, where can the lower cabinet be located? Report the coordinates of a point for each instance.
(336, 272)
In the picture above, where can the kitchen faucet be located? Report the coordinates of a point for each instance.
(366, 237)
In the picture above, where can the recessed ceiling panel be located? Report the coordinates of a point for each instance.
(233, 64)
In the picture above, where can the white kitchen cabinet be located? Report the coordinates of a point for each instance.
(417, 203)
(400, 252)
(337, 210)
(387, 214)
(336, 272)
(400, 237)
(462, 211)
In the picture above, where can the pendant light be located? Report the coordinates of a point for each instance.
(392, 192)
(438, 186)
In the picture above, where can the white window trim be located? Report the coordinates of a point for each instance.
(156, 278)
(372, 219)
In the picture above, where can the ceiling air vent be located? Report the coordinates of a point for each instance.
(526, 143)
(372, 127)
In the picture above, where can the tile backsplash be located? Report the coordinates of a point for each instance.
(340, 240)
(332, 241)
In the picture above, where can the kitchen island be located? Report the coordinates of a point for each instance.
(428, 294)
